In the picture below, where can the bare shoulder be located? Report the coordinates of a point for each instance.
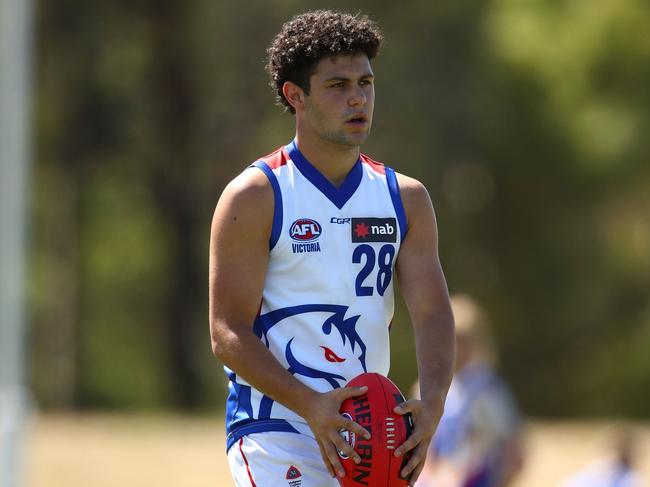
(249, 187)
(248, 200)
(415, 196)
(410, 187)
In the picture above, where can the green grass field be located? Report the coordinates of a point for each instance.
(165, 451)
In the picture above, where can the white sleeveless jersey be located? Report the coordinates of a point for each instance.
(328, 295)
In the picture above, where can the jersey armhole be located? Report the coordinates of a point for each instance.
(396, 198)
(276, 229)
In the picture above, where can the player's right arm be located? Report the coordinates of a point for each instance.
(239, 258)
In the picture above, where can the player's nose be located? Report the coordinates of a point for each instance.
(358, 97)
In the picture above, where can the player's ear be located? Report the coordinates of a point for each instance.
(294, 94)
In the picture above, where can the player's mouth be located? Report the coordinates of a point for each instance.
(357, 120)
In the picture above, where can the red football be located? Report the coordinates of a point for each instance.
(374, 411)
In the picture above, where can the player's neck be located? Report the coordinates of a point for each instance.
(334, 161)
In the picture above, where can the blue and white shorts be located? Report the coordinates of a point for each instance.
(278, 459)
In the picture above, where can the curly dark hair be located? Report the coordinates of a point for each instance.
(311, 36)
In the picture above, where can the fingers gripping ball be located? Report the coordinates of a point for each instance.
(374, 411)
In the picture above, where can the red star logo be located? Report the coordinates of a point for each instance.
(361, 229)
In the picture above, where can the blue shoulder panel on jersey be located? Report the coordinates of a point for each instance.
(277, 194)
(258, 427)
(393, 188)
(338, 196)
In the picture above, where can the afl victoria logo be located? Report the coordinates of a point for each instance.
(305, 230)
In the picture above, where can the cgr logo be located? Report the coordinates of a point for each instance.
(340, 221)
(305, 230)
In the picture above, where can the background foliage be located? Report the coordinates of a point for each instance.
(528, 121)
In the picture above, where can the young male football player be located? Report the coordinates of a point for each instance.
(305, 246)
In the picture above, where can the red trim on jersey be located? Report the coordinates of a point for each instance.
(276, 158)
(248, 469)
(374, 165)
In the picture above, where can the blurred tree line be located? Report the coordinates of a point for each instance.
(527, 121)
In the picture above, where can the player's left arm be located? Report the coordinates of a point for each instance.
(424, 289)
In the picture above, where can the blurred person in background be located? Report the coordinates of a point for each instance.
(479, 438)
(615, 470)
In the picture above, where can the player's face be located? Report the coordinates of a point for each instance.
(340, 103)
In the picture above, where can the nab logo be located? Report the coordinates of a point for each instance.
(374, 230)
(305, 230)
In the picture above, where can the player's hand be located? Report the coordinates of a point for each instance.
(326, 422)
(425, 422)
